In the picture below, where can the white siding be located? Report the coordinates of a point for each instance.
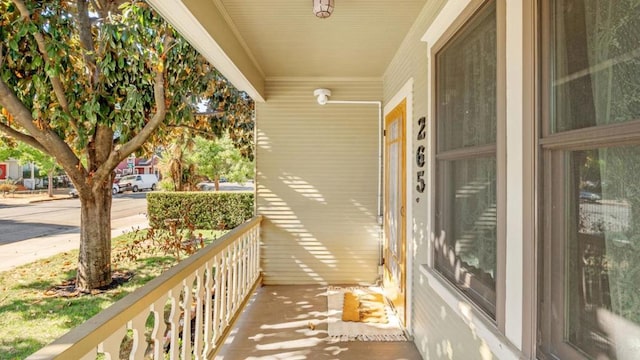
(440, 332)
(317, 182)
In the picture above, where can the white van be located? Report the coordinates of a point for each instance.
(138, 182)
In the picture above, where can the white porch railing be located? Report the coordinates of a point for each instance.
(210, 288)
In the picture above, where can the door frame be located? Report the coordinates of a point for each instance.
(405, 93)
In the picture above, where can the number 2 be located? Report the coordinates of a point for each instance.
(422, 134)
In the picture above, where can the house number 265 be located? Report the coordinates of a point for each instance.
(420, 156)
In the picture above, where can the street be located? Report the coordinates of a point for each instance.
(47, 218)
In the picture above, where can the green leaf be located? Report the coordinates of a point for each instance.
(13, 45)
(36, 62)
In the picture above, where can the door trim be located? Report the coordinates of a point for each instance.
(405, 93)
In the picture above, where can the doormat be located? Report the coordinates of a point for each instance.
(364, 306)
(376, 321)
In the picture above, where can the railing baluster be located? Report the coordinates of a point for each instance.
(245, 265)
(209, 306)
(174, 322)
(217, 300)
(238, 276)
(252, 255)
(234, 278)
(137, 325)
(198, 331)
(224, 309)
(240, 262)
(187, 306)
(110, 347)
(159, 327)
(228, 286)
(247, 260)
(254, 269)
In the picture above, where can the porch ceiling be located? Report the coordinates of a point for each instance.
(282, 38)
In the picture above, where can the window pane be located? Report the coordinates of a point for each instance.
(466, 253)
(603, 252)
(596, 63)
(466, 85)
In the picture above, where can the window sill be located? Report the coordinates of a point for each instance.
(477, 321)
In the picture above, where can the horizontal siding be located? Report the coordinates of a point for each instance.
(441, 333)
(317, 183)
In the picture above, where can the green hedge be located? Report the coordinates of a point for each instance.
(205, 210)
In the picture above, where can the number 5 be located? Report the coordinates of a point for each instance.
(421, 185)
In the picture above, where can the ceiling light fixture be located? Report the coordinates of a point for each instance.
(322, 8)
(322, 95)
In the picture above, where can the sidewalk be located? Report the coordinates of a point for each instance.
(26, 251)
(20, 199)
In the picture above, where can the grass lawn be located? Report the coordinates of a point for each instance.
(30, 317)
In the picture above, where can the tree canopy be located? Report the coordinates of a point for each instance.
(89, 82)
(220, 158)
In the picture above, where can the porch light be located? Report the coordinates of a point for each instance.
(322, 8)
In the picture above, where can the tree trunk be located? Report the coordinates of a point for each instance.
(50, 187)
(33, 176)
(94, 260)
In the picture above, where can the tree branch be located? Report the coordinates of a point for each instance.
(16, 108)
(96, 6)
(205, 133)
(58, 89)
(22, 137)
(48, 140)
(214, 113)
(86, 39)
(139, 139)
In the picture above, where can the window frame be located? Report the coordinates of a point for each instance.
(498, 149)
(553, 148)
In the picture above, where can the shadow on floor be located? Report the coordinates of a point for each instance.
(290, 322)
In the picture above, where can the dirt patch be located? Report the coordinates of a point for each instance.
(68, 287)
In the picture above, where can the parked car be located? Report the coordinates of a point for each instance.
(73, 192)
(589, 196)
(138, 182)
(206, 186)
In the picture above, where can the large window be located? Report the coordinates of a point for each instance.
(590, 288)
(466, 112)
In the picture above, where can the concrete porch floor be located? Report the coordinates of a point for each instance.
(276, 325)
